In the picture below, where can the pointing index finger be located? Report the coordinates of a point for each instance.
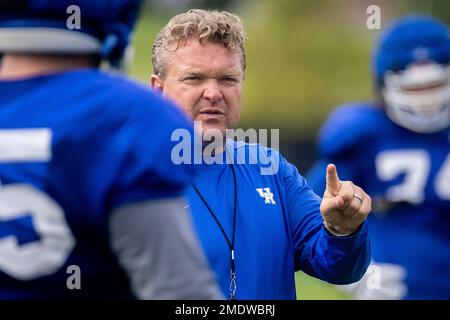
(333, 182)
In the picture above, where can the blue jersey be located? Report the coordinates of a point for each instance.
(408, 176)
(278, 231)
(73, 147)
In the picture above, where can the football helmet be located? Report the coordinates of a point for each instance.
(41, 26)
(412, 73)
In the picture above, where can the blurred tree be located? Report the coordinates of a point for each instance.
(303, 60)
(438, 8)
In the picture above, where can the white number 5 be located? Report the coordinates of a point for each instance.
(35, 239)
(37, 258)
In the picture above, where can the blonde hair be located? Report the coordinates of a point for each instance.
(204, 25)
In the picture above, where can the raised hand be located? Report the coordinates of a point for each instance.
(344, 205)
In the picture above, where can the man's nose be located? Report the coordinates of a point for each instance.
(212, 91)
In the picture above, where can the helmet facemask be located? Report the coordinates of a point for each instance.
(418, 98)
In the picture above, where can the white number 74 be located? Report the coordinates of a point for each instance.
(415, 165)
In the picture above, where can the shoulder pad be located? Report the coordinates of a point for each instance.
(350, 124)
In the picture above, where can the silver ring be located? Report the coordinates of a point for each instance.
(359, 198)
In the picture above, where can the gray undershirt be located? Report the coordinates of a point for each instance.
(156, 246)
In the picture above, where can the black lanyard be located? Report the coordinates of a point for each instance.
(233, 286)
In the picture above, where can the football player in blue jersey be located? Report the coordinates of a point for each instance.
(90, 201)
(397, 148)
(256, 227)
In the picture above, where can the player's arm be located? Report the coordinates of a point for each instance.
(155, 244)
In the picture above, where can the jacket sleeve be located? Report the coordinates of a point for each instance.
(337, 260)
(156, 246)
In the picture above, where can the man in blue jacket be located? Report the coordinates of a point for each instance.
(256, 228)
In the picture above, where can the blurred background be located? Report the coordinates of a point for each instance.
(304, 58)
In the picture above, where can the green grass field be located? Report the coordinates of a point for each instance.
(309, 288)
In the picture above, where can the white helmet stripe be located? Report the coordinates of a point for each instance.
(47, 40)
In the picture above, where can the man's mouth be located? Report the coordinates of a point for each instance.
(212, 112)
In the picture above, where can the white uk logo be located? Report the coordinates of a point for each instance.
(266, 194)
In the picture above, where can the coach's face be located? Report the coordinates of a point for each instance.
(206, 80)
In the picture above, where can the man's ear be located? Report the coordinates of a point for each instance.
(156, 82)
